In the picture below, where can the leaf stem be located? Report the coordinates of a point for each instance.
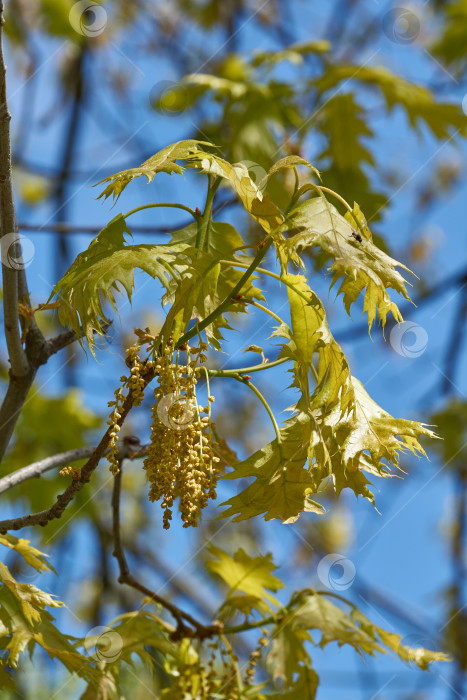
(262, 271)
(270, 413)
(320, 188)
(204, 223)
(265, 309)
(245, 370)
(174, 205)
(337, 196)
(280, 279)
(228, 299)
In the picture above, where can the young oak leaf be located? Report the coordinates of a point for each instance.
(419, 103)
(164, 161)
(368, 435)
(203, 283)
(282, 486)
(255, 202)
(337, 432)
(30, 554)
(363, 266)
(349, 432)
(31, 599)
(422, 657)
(313, 611)
(21, 631)
(253, 199)
(251, 576)
(136, 632)
(98, 271)
(348, 152)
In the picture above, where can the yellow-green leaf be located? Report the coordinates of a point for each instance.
(363, 266)
(251, 576)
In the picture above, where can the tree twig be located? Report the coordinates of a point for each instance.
(36, 469)
(65, 498)
(182, 618)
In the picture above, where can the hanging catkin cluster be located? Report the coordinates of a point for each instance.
(180, 461)
(135, 383)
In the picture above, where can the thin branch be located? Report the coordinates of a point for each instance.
(62, 340)
(197, 629)
(66, 228)
(65, 498)
(63, 227)
(36, 469)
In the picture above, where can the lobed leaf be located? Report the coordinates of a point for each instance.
(337, 431)
(282, 486)
(164, 161)
(107, 266)
(253, 199)
(314, 612)
(347, 154)
(250, 576)
(30, 554)
(24, 622)
(363, 266)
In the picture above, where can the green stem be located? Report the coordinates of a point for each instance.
(284, 281)
(228, 299)
(262, 271)
(270, 413)
(265, 309)
(174, 205)
(251, 625)
(337, 196)
(204, 223)
(244, 370)
(311, 186)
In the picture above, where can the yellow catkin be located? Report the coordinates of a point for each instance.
(135, 384)
(180, 462)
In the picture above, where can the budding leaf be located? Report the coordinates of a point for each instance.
(251, 576)
(363, 266)
(104, 268)
(164, 161)
(313, 617)
(30, 554)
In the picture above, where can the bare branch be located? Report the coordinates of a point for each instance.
(36, 469)
(63, 340)
(62, 227)
(65, 498)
